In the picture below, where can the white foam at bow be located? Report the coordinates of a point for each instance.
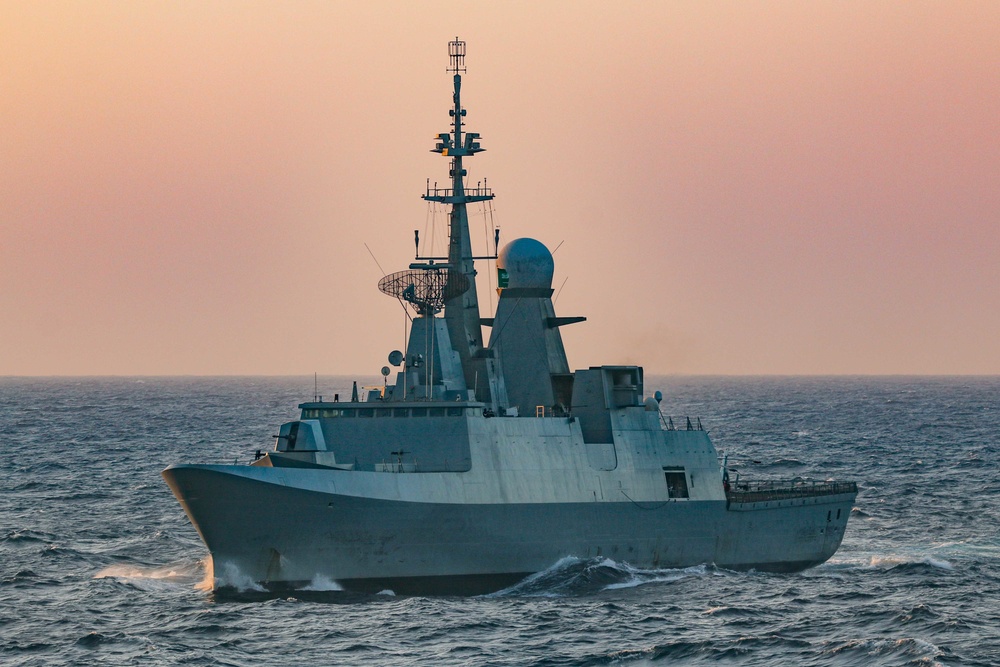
(322, 583)
(228, 575)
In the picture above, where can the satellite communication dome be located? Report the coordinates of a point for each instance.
(528, 263)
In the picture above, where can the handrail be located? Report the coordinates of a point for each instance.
(686, 423)
(754, 492)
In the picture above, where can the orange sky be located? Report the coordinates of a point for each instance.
(761, 187)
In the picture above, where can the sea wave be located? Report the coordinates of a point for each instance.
(571, 576)
(903, 562)
(185, 574)
(111, 576)
(914, 650)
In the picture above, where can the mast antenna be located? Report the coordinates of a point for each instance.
(456, 56)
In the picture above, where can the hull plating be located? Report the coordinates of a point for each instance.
(279, 535)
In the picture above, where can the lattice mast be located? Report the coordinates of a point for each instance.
(462, 312)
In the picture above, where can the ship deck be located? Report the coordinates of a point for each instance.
(765, 491)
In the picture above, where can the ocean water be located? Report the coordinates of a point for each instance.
(99, 565)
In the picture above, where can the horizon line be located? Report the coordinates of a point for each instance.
(376, 375)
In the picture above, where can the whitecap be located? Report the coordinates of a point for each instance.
(877, 647)
(894, 560)
(942, 564)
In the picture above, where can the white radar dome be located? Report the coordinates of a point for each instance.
(528, 263)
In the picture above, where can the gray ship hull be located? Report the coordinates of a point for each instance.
(274, 527)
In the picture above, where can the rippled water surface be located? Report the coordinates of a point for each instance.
(98, 564)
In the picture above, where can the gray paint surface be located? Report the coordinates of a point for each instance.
(293, 535)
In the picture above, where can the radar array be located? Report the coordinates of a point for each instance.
(425, 289)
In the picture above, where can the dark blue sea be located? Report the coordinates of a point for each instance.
(99, 565)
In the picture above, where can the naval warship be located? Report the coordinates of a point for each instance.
(487, 460)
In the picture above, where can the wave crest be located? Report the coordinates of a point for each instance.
(893, 562)
(577, 576)
(154, 577)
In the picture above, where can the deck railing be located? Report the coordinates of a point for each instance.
(682, 423)
(755, 492)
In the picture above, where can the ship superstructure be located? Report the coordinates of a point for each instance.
(486, 461)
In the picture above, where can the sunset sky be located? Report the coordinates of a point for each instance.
(738, 187)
